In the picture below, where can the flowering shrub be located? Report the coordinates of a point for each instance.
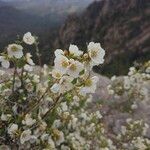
(134, 86)
(47, 109)
(132, 136)
(131, 96)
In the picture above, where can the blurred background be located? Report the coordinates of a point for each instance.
(121, 26)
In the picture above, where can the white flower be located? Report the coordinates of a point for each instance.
(29, 60)
(73, 49)
(61, 63)
(139, 143)
(56, 124)
(90, 86)
(123, 130)
(33, 139)
(56, 74)
(74, 68)
(66, 84)
(147, 70)
(28, 120)
(28, 68)
(36, 78)
(59, 52)
(4, 147)
(126, 83)
(15, 50)
(55, 88)
(59, 137)
(134, 106)
(4, 62)
(63, 86)
(28, 38)
(25, 136)
(5, 117)
(44, 137)
(2, 72)
(96, 53)
(51, 143)
(64, 106)
(98, 114)
(132, 71)
(106, 148)
(12, 129)
(113, 78)
(63, 147)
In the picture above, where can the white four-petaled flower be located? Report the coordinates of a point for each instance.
(28, 120)
(15, 50)
(74, 68)
(96, 53)
(29, 60)
(74, 50)
(12, 129)
(28, 38)
(61, 63)
(90, 86)
(56, 74)
(4, 62)
(25, 136)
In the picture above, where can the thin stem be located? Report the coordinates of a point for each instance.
(38, 102)
(52, 106)
(14, 76)
(38, 54)
(21, 78)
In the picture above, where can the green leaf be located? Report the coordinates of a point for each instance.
(74, 81)
(82, 72)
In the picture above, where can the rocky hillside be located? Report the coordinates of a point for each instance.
(121, 26)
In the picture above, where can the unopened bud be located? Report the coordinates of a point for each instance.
(66, 52)
(85, 56)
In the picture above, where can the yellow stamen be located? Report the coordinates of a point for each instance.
(88, 82)
(64, 64)
(14, 48)
(73, 67)
(58, 75)
(93, 53)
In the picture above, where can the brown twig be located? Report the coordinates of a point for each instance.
(38, 102)
(14, 76)
(52, 106)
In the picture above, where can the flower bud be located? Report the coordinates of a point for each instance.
(85, 56)
(66, 52)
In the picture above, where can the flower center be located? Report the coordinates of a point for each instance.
(88, 82)
(14, 48)
(58, 75)
(64, 64)
(73, 67)
(56, 134)
(94, 53)
(24, 135)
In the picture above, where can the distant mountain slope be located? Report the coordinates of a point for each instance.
(122, 27)
(45, 7)
(37, 16)
(14, 22)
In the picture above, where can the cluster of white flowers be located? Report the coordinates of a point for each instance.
(134, 86)
(130, 96)
(48, 109)
(133, 136)
(73, 65)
